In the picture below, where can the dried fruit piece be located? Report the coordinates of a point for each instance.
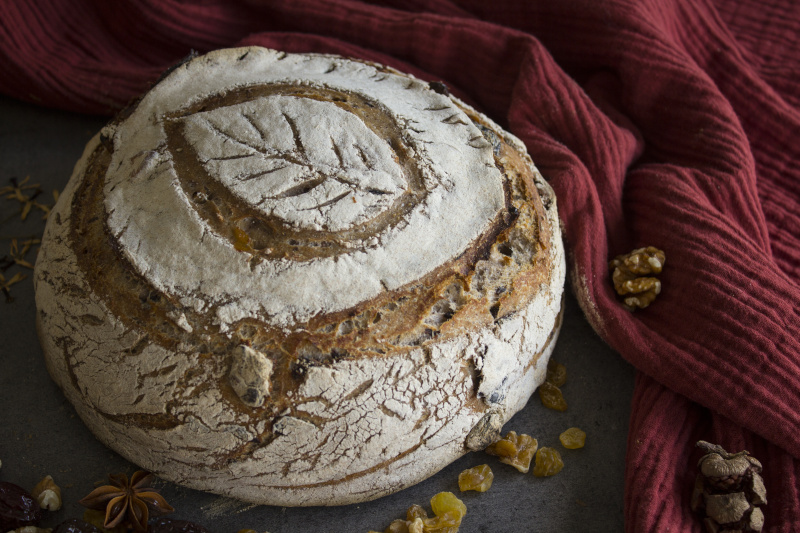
(573, 438)
(548, 462)
(446, 502)
(449, 511)
(17, 507)
(478, 478)
(729, 490)
(551, 397)
(515, 450)
(631, 274)
(75, 525)
(556, 373)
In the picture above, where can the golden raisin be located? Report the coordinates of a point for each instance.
(551, 397)
(448, 522)
(448, 511)
(446, 502)
(573, 438)
(556, 373)
(478, 478)
(548, 462)
(515, 450)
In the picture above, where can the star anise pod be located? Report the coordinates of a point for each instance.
(127, 502)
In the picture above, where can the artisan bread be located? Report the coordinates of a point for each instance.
(299, 279)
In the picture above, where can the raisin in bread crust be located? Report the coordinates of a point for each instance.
(299, 279)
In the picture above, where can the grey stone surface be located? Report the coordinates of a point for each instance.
(40, 433)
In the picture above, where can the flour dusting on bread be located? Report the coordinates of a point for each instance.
(299, 279)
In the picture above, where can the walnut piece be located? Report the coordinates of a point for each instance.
(47, 494)
(632, 276)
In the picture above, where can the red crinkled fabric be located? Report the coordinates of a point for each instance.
(673, 123)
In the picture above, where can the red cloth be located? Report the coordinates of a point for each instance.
(673, 123)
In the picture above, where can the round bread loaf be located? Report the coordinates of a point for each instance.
(299, 279)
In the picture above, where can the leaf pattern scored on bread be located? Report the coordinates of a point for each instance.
(306, 162)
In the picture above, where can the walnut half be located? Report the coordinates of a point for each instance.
(633, 278)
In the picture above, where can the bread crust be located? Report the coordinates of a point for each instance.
(299, 279)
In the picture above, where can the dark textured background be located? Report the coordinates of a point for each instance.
(40, 433)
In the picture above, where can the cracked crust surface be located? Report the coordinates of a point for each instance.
(299, 279)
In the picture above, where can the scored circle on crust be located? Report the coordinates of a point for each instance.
(299, 279)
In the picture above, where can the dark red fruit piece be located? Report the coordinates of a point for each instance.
(17, 507)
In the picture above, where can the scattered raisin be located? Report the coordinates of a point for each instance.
(573, 438)
(76, 525)
(448, 522)
(447, 502)
(448, 511)
(478, 478)
(551, 397)
(171, 525)
(515, 450)
(556, 373)
(17, 507)
(548, 462)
